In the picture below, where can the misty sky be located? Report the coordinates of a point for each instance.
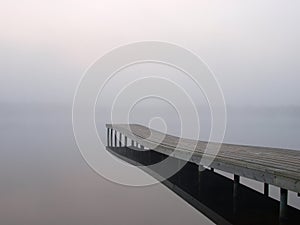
(252, 46)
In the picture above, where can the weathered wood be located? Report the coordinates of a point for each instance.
(279, 167)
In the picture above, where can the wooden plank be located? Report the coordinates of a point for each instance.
(279, 167)
(244, 155)
(237, 153)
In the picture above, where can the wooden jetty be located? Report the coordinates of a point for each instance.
(272, 166)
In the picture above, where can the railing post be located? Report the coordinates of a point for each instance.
(283, 203)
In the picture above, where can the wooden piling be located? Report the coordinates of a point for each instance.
(283, 204)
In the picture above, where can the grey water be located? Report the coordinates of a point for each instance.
(45, 180)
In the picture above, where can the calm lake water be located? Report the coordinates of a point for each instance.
(44, 179)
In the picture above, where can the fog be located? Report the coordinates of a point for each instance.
(252, 47)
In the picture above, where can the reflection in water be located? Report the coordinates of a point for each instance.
(211, 193)
(45, 180)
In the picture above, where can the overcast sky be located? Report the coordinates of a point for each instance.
(252, 46)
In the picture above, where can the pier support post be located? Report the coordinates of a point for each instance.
(132, 143)
(266, 189)
(111, 136)
(120, 139)
(125, 141)
(107, 136)
(236, 182)
(115, 135)
(283, 203)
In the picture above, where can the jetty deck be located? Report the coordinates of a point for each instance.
(272, 166)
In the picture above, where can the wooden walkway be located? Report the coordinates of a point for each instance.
(278, 167)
